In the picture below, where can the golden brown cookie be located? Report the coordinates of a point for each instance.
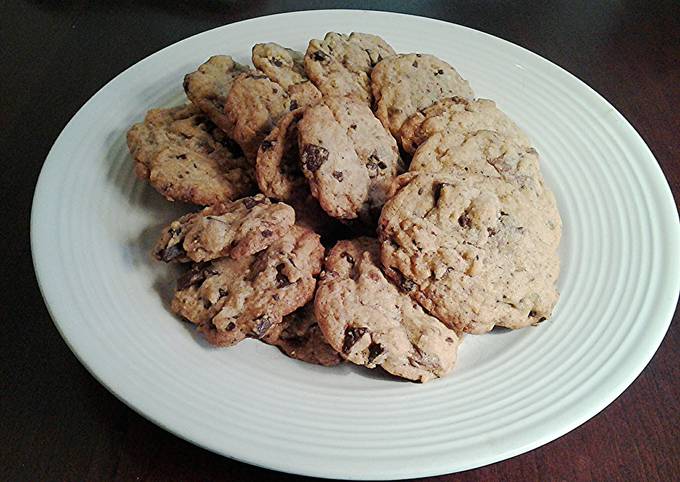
(408, 83)
(185, 157)
(348, 157)
(230, 299)
(209, 86)
(367, 319)
(238, 228)
(474, 251)
(341, 65)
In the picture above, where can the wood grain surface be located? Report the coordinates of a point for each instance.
(58, 423)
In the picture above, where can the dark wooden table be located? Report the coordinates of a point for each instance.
(58, 423)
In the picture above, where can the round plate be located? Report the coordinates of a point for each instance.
(93, 225)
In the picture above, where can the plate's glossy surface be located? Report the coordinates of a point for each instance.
(93, 224)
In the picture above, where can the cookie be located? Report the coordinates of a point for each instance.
(235, 229)
(341, 65)
(348, 157)
(282, 65)
(277, 166)
(255, 104)
(458, 115)
(408, 83)
(482, 152)
(185, 157)
(300, 337)
(230, 299)
(474, 251)
(209, 85)
(367, 319)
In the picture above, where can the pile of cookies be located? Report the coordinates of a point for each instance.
(358, 205)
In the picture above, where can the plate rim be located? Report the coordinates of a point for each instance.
(664, 196)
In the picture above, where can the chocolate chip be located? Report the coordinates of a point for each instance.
(207, 304)
(313, 156)
(372, 165)
(230, 326)
(439, 72)
(491, 231)
(251, 202)
(262, 325)
(352, 335)
(415, 64)
(320, 56)
(276, 62)
(293, 105)
(276, 297)
(347, 256)
(464, 221)
(437, 192)
(353, 126)
(222, 292)
(266, 145)
(382, 165)
(182, 156)
(196, 275)
(267, 233)
(338, 175)
(172, 252)
(449, 339)
(281, 279)
(374, 350)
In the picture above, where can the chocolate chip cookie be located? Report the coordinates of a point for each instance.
(230, 299)
(185, 157)
(300, 337)
(209, 85)
(277, 166)
(235, 229)
(282, 65)
(348, 157)
(458, 115)
(367, 319)
(408, 83)
(256, 103)
(341, 65)
(474, 251)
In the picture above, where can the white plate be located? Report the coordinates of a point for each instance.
(93, 224)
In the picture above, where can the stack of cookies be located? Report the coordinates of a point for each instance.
(358, 205)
